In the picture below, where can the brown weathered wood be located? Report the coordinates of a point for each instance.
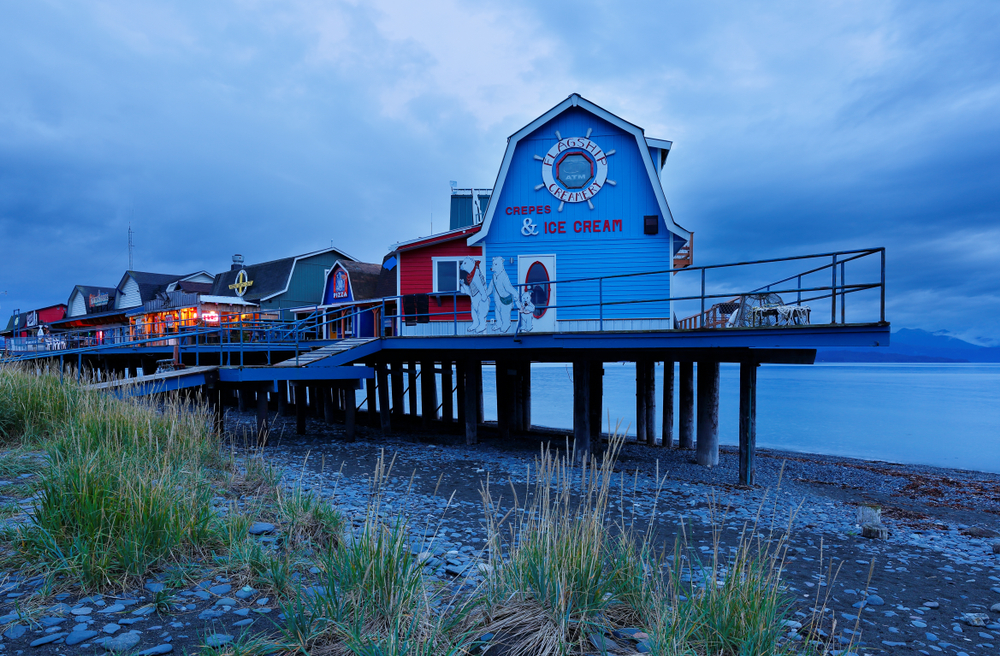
(371, 394)
(685, 432)
(473, 371)
(748, 421)
(667, 433)
(505, 401)
(382, 381)
(428, 393)
(330, 397)
(460, 392)
(640, 401)
(524, 385)
(581, 410)
(650, 391)
(596, 403)
(412, 366)
(447, 393)
(300, 408)
(398, 385)
(350, 411)
(708, 414)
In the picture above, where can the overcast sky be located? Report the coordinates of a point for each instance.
(273, 128)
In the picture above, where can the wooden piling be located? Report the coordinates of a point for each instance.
(398, 385)
(460, 392)
(300, 408)
(412, 366)
(708, 414)
(581, 410)
(329, 397)
(650, 391)
(350, 410)
(472, 383)
(370, 395)
(596, 403)
(382, 376)
(685, 431)
(447, 393)
(640, 402)
(505, 393)
(748, 421)
(282, 399)
(428, 393)
(524, 394)
(667, 433)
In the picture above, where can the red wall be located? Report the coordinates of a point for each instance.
(50, 314)
(416, 275)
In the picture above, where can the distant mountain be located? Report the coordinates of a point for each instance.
(911, 345)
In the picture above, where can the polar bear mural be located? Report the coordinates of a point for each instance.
(527, 309)
(472, 281)
(504, 295)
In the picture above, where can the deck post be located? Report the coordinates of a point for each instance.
(372, 403)
(748, 421)
(650, 390)
(640, 401)
(581, 410)
(524, 394)
(382, 376)
(428, 393)
(708, 414)
(412, 366)
(262, 423)
(596, 403)
(350, 410)
(330, 396)
(505, 400)
(685, 431)
(241, 396)
(316, 397)
(447, 393)
(300, 408)
(282, 399)
(668, 404)
(397, 389)
(460, 392)
(472, 384)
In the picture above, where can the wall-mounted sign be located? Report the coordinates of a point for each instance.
(100, 298)
(242, 282)
(32, 319)
(340, 284)
(574, 170)
(210, 316)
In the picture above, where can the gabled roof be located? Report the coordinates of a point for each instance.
(436, 239)
(363, 278)
(269, 278)
(575, 100)
(91, 290)
(149, 283)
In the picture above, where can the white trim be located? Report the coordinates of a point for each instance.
(662, 144)
(403, 244)
(457, 259)
(553, 288)
(576, 100)
(291, 273)
(326, 281)
(224, 300)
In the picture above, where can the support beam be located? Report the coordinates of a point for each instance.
(596, 403)
(748, 421)
(472, 383)
(300, 409)
(708, 414)
(398, 385)
(460, 391)
(524, 394)
(581, 410)
(282, 399)
(428, 393)
(242, 396)
(685, 431)
(329, 397)
(350, 411)
(505, 398)
(412, 366)
(650, 391)
(667, 433)
(447, 393)
(641, 415)
(370, 392)
(382, 376)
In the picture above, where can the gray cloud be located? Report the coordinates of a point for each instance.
(272, 128)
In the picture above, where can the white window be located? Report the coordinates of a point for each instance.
(448, 270)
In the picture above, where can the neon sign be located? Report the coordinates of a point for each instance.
(210, 317)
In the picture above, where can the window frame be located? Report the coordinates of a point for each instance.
(435, 283)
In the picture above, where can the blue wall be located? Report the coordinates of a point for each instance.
(587, 255)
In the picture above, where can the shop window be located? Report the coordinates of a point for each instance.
(447, 273)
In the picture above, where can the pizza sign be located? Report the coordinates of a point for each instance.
(341, 287)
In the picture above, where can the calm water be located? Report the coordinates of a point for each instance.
(936, 414)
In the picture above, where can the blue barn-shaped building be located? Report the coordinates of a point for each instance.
(577, 202)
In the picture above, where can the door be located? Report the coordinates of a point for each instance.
(536, 305)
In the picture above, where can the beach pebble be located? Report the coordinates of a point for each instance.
(218, 639)
(975, 619)
(52, 637)
(124, 642)
(995, 608)
(931, 604)
(165, 648)
(261, 528)
(76, 637)
(15, 632)
(110, 628)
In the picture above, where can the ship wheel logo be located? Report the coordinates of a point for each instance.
(241, 284)
(574, 170)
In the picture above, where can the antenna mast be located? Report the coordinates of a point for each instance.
(130, 246)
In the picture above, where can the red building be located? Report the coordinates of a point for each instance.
(433, 272)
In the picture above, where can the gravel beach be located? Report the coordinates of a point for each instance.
(933, 586)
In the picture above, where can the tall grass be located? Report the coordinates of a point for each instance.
(127, 486)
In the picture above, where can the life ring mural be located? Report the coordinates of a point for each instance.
(575, 170)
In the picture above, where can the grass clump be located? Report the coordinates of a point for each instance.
(126, 487)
